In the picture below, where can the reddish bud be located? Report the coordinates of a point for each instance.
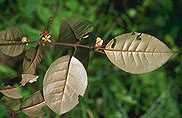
(44, 33)
(51, 18)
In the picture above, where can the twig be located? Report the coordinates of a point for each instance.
(56, 43)
(14, 115)
(75, 49)
(49, 43)
(90, 114)
(69, 45)
(19, 43)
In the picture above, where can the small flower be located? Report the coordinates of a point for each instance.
(98, 43)
(47, 38)
(25, 40)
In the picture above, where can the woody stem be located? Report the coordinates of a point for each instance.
(49, 43)
(14, 115)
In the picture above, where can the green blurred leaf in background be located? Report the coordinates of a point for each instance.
(111, 93)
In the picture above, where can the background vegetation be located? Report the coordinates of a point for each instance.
(111, 93)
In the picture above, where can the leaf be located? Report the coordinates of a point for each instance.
(44, 14)
(74, 29)
(28, 78)
(83, 56)
(33, 105)
(64, 81)
(11, 92)
(137, 56)
(11, 35)
(32, 58)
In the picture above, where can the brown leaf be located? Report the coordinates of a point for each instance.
(11, 92)
(32, 58)
(11, 35)
(137, 56)
(64, 81)
(33, 105)
(28, 78)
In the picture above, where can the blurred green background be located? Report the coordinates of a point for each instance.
(111, 93)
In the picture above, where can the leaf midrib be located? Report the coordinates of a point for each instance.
(66, 78)
(34, 58)
(113, 50)
(72, 30)
(34, 105)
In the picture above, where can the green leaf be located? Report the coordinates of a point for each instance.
(33, 34)
(28, 7)
(73, 30)
(11, 35)
(83, 55)
(7, 70)
(44, 13)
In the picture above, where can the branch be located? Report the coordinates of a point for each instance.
(69, 45)
(9, 109)
(40, 42)
(19, 43)
(49, 43)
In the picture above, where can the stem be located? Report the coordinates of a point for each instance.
(53, 43)
(49, 43)
(19, 43)
(9, 109)
(69, 45)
